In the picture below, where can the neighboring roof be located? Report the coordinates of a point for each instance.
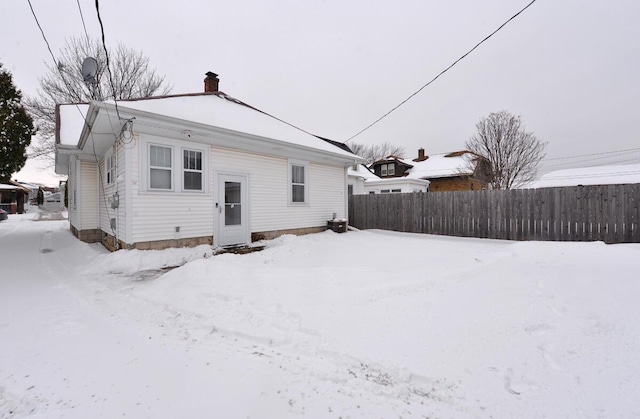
(363, 172)
(215, 109)
(5, 187)
(14, 186)
(595, 175)
(397, 181)
(458, 163)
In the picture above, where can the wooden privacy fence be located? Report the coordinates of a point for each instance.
(609, 213)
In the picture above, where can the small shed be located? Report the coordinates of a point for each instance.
(13, 197)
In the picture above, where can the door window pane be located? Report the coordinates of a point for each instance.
(232, 205)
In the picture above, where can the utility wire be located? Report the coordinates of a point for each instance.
(106, 53)
(82, 17)
(628, 150)
(42, 32)
(612, 156)
(79, 110)
(440, 74)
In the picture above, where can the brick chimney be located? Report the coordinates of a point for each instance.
(421, 156)
(211, 82)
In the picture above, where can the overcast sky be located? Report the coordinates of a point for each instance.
(570, 68)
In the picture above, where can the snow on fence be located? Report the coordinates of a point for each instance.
(610, 213)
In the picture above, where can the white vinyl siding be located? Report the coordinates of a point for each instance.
(269, 191)
(87, 177)
(107, 196)
(154, 215)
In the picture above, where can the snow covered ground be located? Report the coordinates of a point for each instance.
(368, 324)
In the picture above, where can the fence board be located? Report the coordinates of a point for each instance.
(610, 213)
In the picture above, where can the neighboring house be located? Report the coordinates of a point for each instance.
(363, 181)
(595, 175)
(54, 201)
(13, 197)
(457, 171)
(193, 169)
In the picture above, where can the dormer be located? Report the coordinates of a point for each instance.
(390, 166)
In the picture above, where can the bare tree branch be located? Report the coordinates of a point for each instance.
(513, 152)
(372, 153)
(132, 78)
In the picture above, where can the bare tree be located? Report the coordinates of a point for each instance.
(130, 71)
(374, 152)
(513, 151)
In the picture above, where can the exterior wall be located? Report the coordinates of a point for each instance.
(88, 195)
(397, 187)
(268, 191)
(83, 200)
(109, 191)
(358, 185)
(456, 184)
(154, 220)
(73, 193)
(154, 216)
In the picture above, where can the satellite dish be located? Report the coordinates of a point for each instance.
(89, 70)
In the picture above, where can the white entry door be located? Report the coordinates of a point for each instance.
(233, 210)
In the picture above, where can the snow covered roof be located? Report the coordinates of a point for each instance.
(595, 175)
(216, 110)
(439, 165)
(71, 121)
(362, 172)
(443, 165)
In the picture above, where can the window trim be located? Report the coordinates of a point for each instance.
(202, 170)
(290, 184)
(149, 167)
(109, 169)
(387, 169)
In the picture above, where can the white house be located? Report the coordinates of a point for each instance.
(363, 181)
(191, 169)
(595, 175)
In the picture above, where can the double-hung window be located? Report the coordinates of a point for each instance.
(192, 170)
(160, 167)
(387, 169)
(298, 182)
(109, 168)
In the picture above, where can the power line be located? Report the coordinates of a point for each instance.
(84, 117)
(106, 53)
(612, 155)
(43, 36)
(628, 150)
(440, 74)
(82, 18)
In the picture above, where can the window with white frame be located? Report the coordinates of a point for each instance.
(298, 182)
(160, 167)
(396, 190)
(387, 169)
(192, 170)
(110, 166)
